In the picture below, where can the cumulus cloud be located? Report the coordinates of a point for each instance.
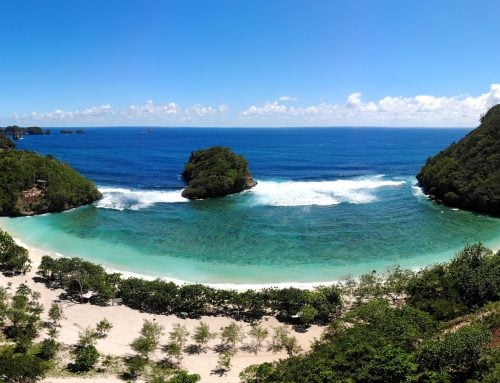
(420, 110)
(287, 98)
(147, 113)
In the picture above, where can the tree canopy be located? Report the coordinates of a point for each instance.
(34, 184)
(467, 173)
(216, 172)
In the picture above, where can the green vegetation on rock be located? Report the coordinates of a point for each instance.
(32, 184)
(467, 173)
(6, 143)
(216, 172)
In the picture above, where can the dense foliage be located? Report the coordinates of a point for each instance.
(6, 143)
(78, 277)
(459, 287)
(467, 173)
(379, 341)
(21, 360)
(215, 172)
(21, 194)
(13, 258)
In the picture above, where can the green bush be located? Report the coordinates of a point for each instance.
(86, 357)
(468, 281)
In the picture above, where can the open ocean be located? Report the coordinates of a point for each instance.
(330, 203)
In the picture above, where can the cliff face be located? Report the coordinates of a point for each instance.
(216, 172)
(31, 184)
(467, 173)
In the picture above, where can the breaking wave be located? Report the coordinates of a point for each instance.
(128, 199)
(270, 193)
(323, 193)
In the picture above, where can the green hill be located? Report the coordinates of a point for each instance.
(216, 172)
(32, 184)
(467, 173)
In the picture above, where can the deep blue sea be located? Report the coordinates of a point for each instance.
(330, 203)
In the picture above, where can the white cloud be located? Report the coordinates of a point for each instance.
(420, 110)
(287, 98)
(148, 113)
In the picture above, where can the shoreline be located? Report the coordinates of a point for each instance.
(127, 323)
(36, 254)
(240, 287)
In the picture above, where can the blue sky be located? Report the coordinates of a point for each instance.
(248, 63)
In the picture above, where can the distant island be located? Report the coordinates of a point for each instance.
(467, 174)
(16, 132)
(216, 172)
(32, 184)
(69, 131)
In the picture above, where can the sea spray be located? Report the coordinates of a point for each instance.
(321, 193)
(122, 198)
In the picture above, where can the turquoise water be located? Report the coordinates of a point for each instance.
(330, 203)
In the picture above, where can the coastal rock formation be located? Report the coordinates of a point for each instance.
(216, 172)
(31, 184)
(467, 173)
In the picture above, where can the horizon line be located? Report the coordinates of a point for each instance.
(243, 127)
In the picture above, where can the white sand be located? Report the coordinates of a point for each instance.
(127, 323)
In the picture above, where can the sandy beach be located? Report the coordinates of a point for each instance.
(127, 323)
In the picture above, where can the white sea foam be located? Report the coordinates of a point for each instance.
(270, 193)
(121, 198)
(225, 286)
(324, 193)
(417, 191)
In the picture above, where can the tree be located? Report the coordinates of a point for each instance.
(56, 314)
(103, 327)
(308, 314)
(86, 358)
(224, 362)
(175, 351)
(48, 349)
(282, 339)
(231, 335)
(13, 258)
(258, 334)
(88, 337)
(179, 335)
(20, 367)
(202, 335)
(86, 354)
(280, 336)
(149, 339)
(24, 314)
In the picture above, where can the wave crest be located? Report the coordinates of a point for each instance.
(323, 193)
(122, 199)
(269, 193)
